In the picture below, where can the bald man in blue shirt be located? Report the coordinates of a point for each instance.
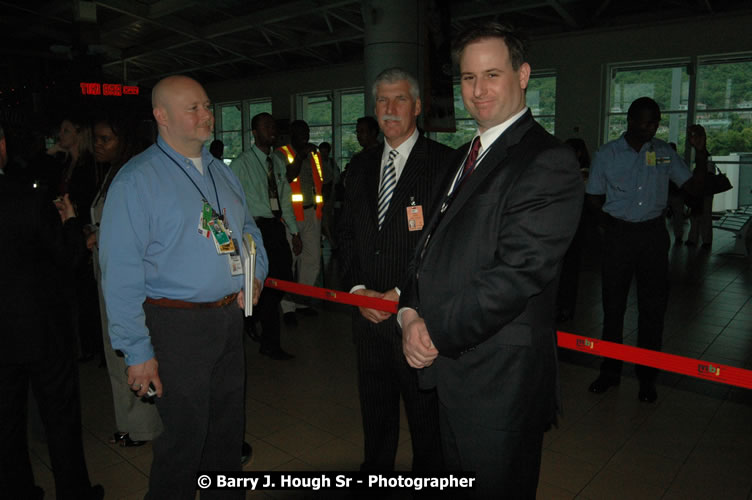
(173, 295)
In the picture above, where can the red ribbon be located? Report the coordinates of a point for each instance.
(705, 370)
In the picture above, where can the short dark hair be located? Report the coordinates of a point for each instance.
(516, 41)
(299, 126)
(370, 122)
(643, 104)
(257, 118)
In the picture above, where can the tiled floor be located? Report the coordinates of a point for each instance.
(694, 442)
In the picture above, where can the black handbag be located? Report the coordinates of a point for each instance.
(716, 183)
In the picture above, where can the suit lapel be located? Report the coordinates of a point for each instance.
(493, 162)
(371, 187)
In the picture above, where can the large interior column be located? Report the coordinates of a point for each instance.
(393, 37)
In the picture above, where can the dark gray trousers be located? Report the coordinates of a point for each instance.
(201, 365)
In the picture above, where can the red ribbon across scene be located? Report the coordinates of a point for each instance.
(701, 369)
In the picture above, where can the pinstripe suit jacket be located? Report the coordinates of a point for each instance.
(379, 259)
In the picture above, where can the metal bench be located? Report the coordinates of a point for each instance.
(738, 222)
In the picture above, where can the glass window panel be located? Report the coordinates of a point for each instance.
(724, 106)
(255, 108)
(541, 95)
(233, 144)
(353, 106)
(668, 86)
(231, 117)
(724, 86)
(547, 122)
(465, 132)
(321, 134)
(728, 132)
(350, 145)
(317, 110)
(460, 112)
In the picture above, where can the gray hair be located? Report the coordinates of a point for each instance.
(394, 75)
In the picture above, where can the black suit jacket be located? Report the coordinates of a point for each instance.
(37, 256)
(486, 282)
(379, 259)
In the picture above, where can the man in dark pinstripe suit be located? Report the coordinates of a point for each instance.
(390, 193)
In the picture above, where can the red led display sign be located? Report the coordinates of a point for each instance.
(108, 89)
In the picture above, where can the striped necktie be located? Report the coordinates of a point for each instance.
(388, 181)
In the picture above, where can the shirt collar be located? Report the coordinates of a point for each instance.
(206, 156)
(403, 149)
(489, 136)
(650, 145)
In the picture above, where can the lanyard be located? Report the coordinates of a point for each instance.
(203, 197)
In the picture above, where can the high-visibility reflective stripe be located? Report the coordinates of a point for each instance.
(317, 161)
(319, 199)
(288, 153)
(297, 197)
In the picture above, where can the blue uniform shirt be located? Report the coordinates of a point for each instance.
(635, 190)
(150, 246)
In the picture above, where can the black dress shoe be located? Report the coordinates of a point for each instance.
(246, 453)
(307, 311)
(278, 354)
(647, 392)
(290, 319)
(124, 440)
(602, 383)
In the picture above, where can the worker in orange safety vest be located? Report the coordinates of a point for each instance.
(307, 203)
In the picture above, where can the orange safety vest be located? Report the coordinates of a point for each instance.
(297, 193)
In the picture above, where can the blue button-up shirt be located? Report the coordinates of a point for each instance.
(150, 245)
(635, 190)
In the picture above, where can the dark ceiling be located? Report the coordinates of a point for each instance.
(139, 41)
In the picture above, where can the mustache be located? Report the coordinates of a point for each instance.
(391, 117)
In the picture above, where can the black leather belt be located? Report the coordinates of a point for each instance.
(182, 304)
(311, 205)
(635, 226)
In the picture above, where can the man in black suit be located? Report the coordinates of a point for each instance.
(390, 191)
(37, 257)
(477, 311)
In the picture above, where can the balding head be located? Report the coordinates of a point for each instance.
(181, 109)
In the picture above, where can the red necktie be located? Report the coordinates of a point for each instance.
(469, 164)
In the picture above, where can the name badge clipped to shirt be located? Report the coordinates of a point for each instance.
(650, 158)
(274, 204)
(203, 220)
(414, 216)
(212, 224)
(236, 263)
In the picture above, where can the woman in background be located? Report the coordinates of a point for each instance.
(137, 421)
(75, 174)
